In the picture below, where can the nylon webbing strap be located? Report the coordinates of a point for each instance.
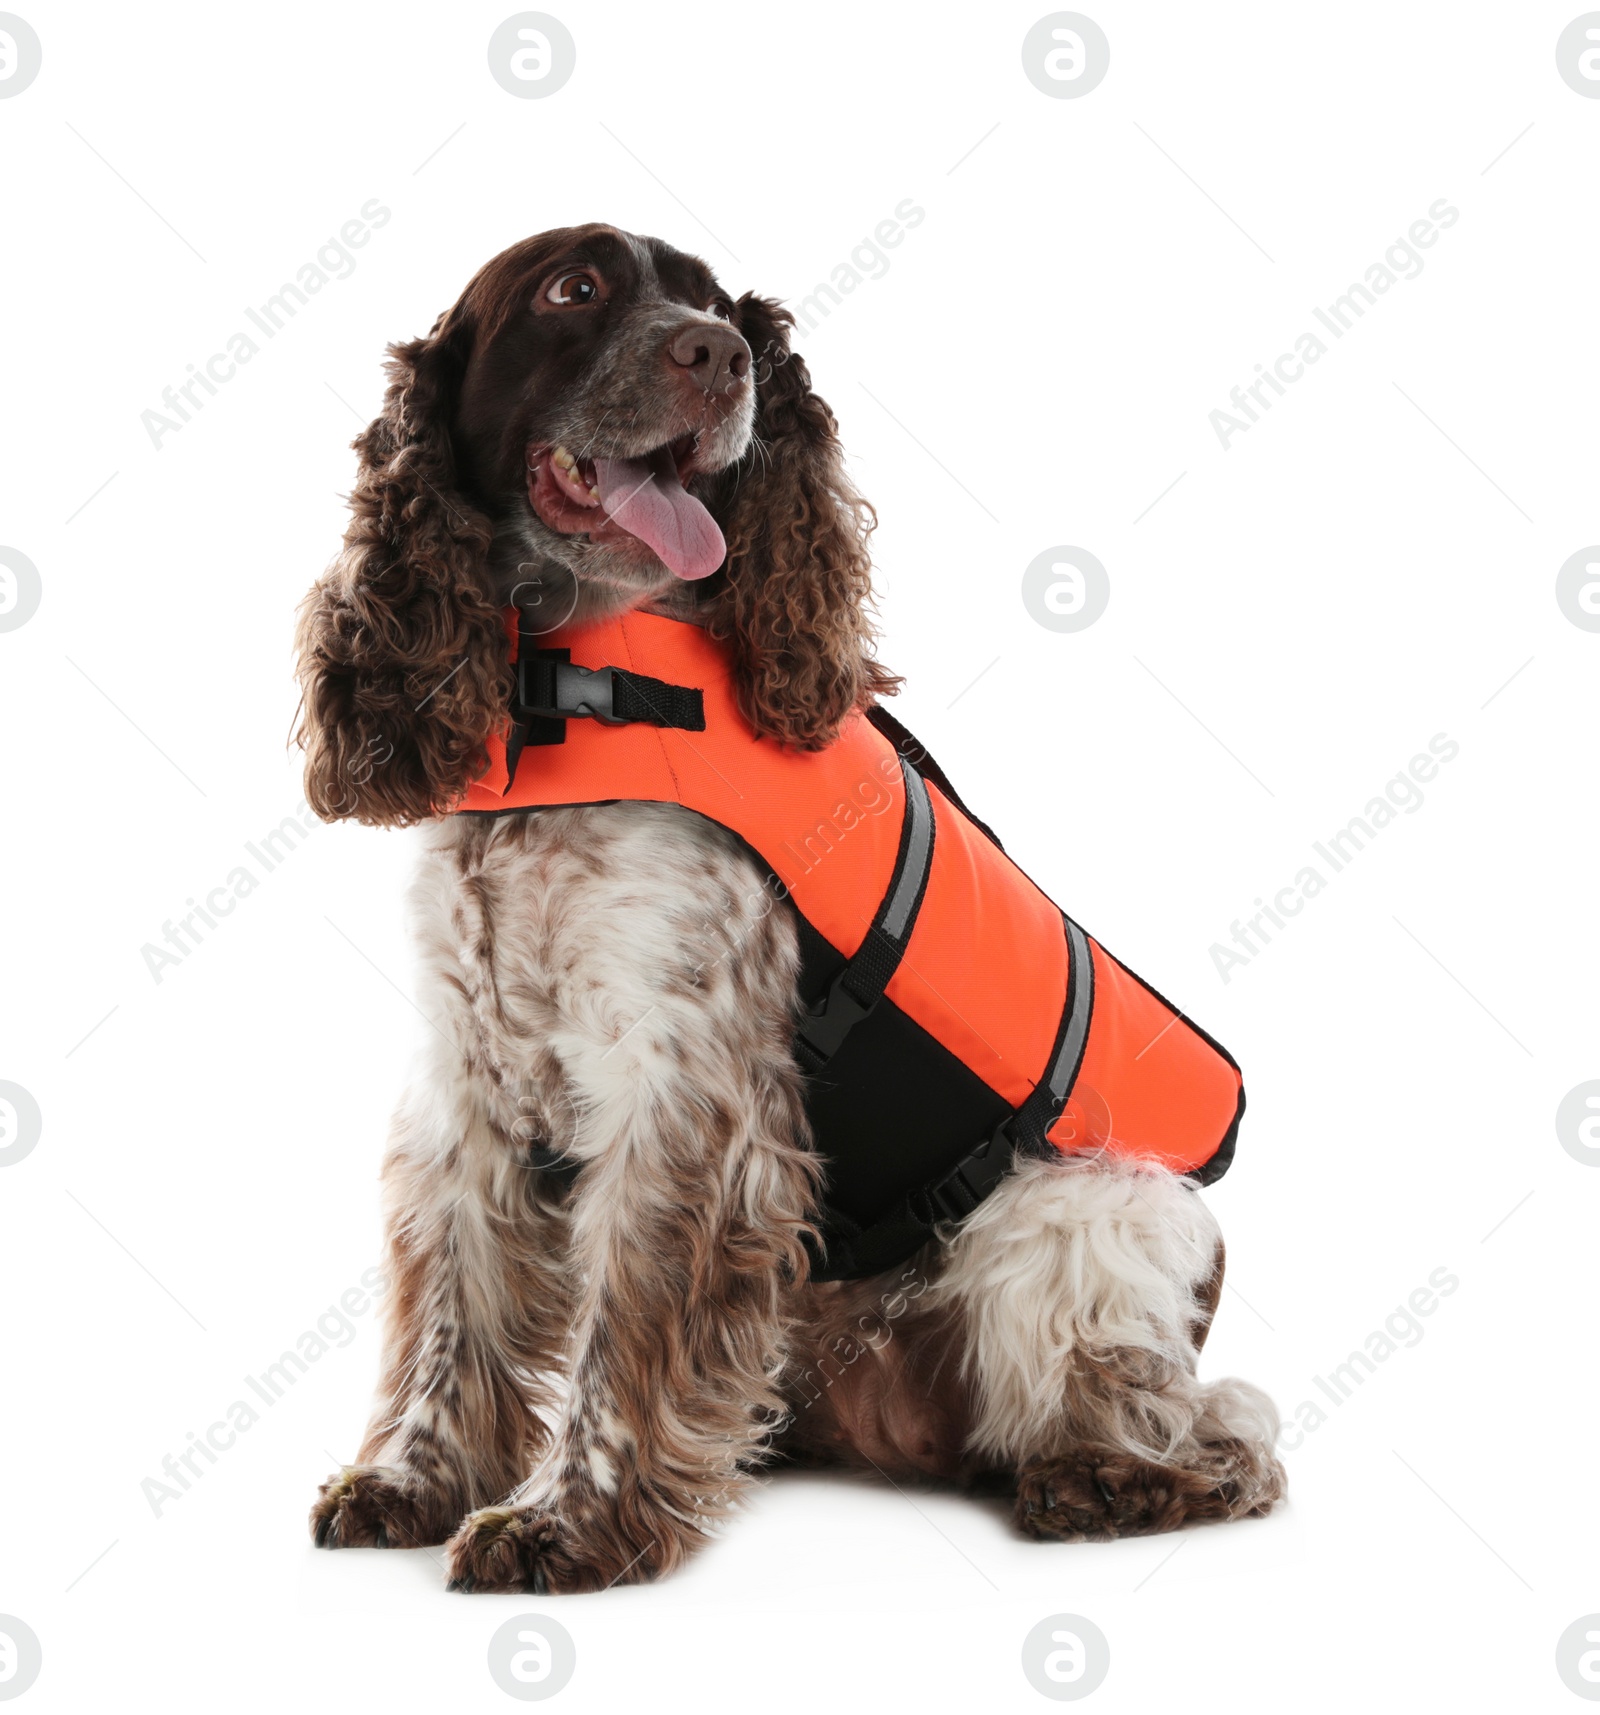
(963, 1187)
(637, 697)
(858, 988)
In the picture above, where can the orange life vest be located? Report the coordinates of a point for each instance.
(952, 1015)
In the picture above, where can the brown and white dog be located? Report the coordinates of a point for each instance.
(581, 1374)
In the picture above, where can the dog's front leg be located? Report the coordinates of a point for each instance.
(474, 1319)
(685, 1232)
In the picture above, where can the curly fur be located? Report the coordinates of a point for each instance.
(1085, 1280)
(402, 653)
(799, 576)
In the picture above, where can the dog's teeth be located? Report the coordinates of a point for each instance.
(594, 492)
(563, 458)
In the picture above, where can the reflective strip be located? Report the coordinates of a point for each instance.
(1064, 1069)
(909, 886)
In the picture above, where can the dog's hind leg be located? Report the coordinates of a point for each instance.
(1085, 1288)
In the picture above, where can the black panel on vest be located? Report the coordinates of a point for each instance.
(892, 1109)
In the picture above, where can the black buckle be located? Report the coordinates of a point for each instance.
(550, 687)
(962, 1189)
(827, 1024)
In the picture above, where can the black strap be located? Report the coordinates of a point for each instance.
(549, 690)
(960, 1189)
(637, 697)
(858, 988)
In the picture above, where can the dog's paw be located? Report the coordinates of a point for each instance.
(1095, 1496)
(527, 1550)
(1098, 1497)
(378, 1506)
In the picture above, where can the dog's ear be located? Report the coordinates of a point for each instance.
(795, 605)
(402, 656)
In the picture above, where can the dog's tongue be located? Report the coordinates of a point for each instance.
(645, 497)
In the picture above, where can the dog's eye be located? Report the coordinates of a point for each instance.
(721, 309)
(579, 288)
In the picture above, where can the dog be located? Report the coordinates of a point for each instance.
(583, 1372)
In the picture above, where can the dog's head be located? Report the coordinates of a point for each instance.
(605, 377)
(594, 424)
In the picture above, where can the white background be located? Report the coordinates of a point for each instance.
(1368, 566)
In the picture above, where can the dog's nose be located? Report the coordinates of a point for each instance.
(716, 357)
